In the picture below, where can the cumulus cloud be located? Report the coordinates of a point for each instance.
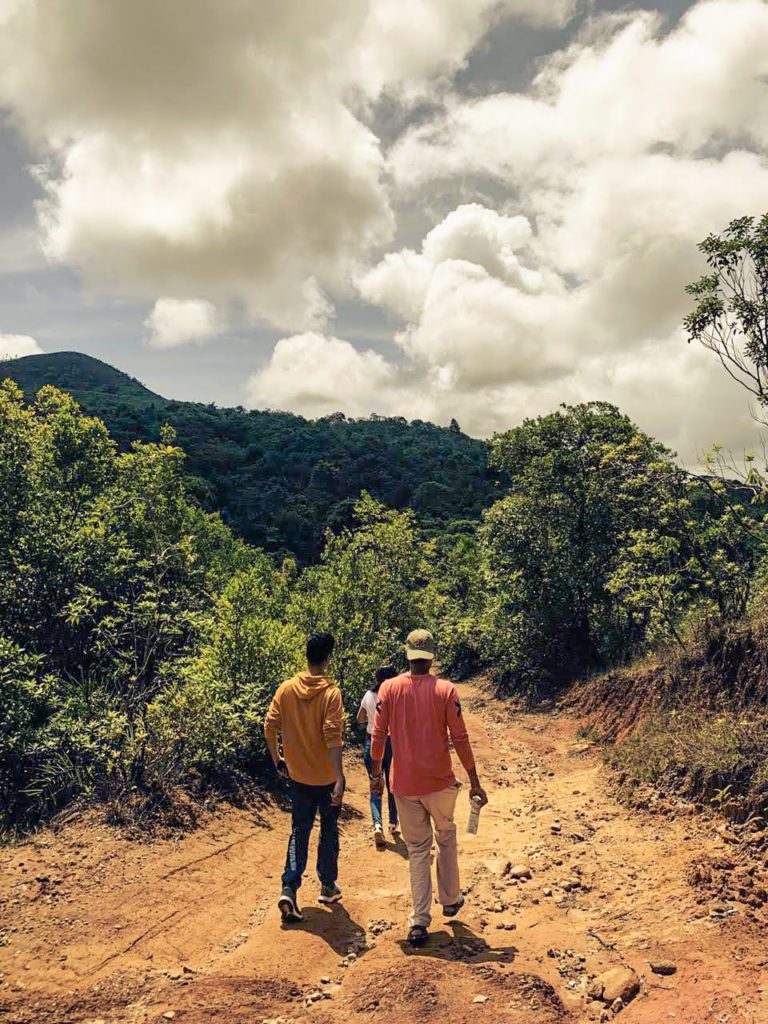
(407, 45)
(235, 156)
(14, 345)
(668, 387)
(220, 147)
(174, 322)
(632, 145)
(475, 310)
(317, 375)
(624, 89)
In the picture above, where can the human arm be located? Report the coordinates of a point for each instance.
(272, 724)
(475, 789)
(341, 783)
(333, 724)
(460, 738)
(379, 741)
(365, 705)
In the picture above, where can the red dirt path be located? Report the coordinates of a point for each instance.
(99, 929)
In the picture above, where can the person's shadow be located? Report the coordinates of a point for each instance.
(397, 845)
(334, 925)
(461, 944)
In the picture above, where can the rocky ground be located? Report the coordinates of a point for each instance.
(578, 909)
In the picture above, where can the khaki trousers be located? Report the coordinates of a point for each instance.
(418, 815)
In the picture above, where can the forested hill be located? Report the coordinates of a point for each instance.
(278, 479)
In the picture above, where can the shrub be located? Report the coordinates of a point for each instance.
(720, 758)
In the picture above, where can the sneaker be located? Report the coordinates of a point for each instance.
(329, 894)
(452, 909)
(289, 907)
(378, 838)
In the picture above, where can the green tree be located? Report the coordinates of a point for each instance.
(107, 571)
(578, 483)
(701, 542)
(369, 591)
(215, 716)
(731, 313)
(457, 595)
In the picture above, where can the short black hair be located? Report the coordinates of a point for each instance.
(383, 673)
(319, 647)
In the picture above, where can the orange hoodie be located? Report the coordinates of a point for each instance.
(307, 711)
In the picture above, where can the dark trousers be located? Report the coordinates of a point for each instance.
(386, 764)
(306, 801)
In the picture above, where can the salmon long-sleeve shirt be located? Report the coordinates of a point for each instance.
(419, 713)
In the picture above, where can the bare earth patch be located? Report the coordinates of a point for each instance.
(98, 928)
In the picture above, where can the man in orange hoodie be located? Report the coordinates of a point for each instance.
(307, 712)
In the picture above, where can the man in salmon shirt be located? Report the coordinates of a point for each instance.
(420, 712)
(307, 712)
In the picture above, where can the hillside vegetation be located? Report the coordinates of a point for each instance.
(692, 718)
(277, 479)
(141, 638)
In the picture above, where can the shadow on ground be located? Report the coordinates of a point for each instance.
(461, 944)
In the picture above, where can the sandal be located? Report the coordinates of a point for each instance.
(452, 909)
(418, 935)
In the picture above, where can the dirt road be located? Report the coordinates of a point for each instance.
(97, 929)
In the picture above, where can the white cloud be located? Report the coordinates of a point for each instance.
(508, 320)
(317, 375)
(234, 155)
(405, 45)
(632, 146)
(175, 322)
(14, 345)
(668, 387)
(623, 90)
(473, 241)
(219, 147)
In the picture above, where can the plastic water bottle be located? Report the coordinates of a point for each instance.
(475, 805)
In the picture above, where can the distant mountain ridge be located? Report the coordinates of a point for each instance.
(279, 479)
(79, 374)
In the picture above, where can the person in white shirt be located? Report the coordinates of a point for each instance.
(366, 716)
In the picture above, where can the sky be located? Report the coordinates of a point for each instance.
(470, 209)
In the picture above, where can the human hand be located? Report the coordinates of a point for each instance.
(377, 785)
(338, 792)
(477, 792)
(281, 768)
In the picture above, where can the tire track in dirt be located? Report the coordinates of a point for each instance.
(102, 929)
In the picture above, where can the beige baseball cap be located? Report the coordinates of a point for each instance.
(420, 644)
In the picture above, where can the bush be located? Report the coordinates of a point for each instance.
(106, 578)
(369, 591)
(720, 758)
(215, 716)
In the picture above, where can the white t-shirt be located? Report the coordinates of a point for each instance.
(368, 704)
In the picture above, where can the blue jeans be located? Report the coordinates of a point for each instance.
(376, 800)
(306, 801)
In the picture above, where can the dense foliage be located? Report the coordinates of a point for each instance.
(693, 714)
(141, 640)
(277, 479)
(600, 546)
(106, 571)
